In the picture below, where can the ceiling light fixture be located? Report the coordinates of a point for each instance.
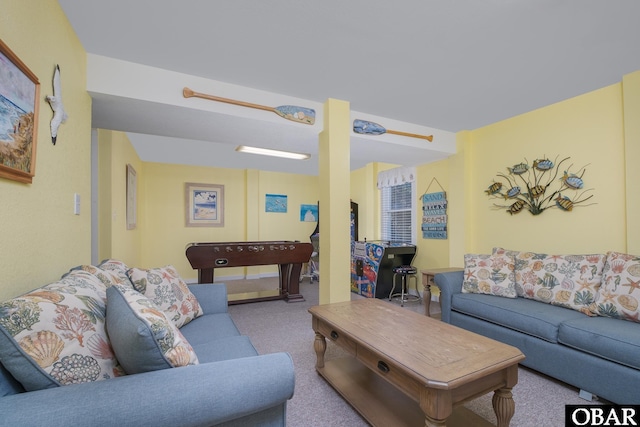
(276, 153)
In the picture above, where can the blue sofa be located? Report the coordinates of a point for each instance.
(231, 386)
(598, 355)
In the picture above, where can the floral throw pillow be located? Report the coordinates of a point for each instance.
(570, 281)
(489, 274)
(143, 338)
(620, 290)
(168, 291)
(56, 335)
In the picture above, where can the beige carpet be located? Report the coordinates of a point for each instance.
(275, 326)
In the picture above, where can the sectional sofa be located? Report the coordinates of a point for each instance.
(111, 346)
(574, 317)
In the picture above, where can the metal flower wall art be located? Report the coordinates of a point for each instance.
(539, 187)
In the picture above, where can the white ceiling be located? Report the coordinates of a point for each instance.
(442, 66)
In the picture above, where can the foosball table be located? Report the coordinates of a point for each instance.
(288, 255)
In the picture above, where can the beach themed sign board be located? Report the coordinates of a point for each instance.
(434, 215)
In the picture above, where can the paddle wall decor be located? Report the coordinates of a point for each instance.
(303, 115)
(370, 128)
(539, 187)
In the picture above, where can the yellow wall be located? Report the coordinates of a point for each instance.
(41, 238)
(631, 104)
(431, 178)
(588, 129)
(161, 235)
(115, 241)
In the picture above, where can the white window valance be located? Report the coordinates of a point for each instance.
(396, 176)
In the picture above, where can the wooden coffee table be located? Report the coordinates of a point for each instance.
(408, 369)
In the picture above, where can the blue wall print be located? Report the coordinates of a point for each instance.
(309, 213)
(276, 203)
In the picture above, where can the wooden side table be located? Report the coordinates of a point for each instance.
(427, 280)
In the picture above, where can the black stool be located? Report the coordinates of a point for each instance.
(405, 271)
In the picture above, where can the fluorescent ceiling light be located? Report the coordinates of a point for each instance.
(276, 153)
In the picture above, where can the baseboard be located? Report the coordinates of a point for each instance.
(260, 276)
(236, 277)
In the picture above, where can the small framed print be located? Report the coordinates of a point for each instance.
(204, 205)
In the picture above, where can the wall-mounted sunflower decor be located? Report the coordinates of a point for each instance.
(539, 187)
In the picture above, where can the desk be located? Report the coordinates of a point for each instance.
(427, 281)
(288, 255)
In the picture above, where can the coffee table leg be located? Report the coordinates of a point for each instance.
(320, 346)
(430, 422)
(503, 406)
(426, 298)
(436, 403)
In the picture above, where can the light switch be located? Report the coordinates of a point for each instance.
(76, 204)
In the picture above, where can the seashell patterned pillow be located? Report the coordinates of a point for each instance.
(620, 291)
(570, 281)
(56, 335)
(143, 337)
(117, 268)
(489, 274)
(168, 291)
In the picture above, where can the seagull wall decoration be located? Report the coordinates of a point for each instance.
(55, 100)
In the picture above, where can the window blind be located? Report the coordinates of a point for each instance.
(397, 216)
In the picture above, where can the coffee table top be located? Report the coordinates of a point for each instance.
(435, 353)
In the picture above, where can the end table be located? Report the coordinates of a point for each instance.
(427, 281)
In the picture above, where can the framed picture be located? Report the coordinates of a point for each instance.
(132, 208)
(204, 205)
(275, 203)
(19, 101)
(309, 213)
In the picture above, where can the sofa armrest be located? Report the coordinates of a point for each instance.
(449, 284)
(198, 395)
(212, 297)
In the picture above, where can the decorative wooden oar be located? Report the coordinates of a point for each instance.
(289, 112)
(370, 128)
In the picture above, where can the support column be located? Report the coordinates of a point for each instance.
(252, 220)
(334, 178)
(631, 111)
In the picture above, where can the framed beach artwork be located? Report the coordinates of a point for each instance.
(19, 100)
(204, 205)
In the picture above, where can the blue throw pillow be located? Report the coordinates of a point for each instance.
(142, 336)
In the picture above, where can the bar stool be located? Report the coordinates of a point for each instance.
(405, 271)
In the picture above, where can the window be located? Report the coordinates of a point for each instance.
(398, 212)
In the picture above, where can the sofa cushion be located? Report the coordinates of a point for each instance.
(209, 327)
(168, 291)
(226, 348)
(571, 281)
(523, 315)
(143, 337)
(56, 335)
(604, 337)
(8, 384)
(489, 274)
(620, 290)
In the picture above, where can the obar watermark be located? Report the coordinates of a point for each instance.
(602, 415)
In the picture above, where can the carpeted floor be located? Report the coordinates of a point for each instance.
(275, 326)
